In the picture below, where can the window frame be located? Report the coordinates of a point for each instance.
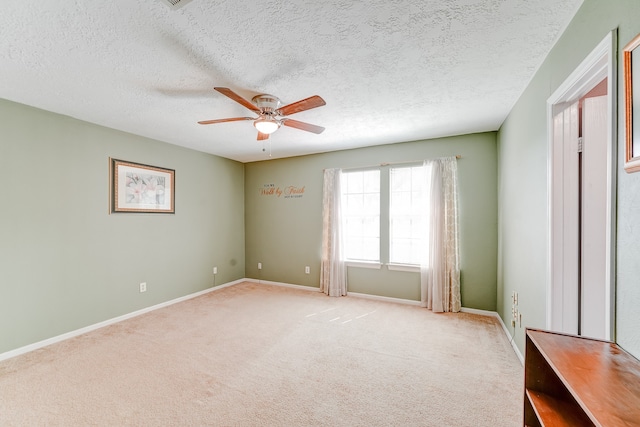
(402, 265)
(364, 263)
(385, 221)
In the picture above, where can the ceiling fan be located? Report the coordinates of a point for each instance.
(271, 115)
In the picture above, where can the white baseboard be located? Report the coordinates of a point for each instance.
(285, 285)
(479, 312)
(382, 298)
(504, 328)
(77, 332)
(351, 294)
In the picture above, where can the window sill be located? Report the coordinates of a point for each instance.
(377, 266)
(364, 264)
(404, 267)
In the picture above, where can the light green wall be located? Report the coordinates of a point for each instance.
(66, 263)
(522, 154)
(285, 234)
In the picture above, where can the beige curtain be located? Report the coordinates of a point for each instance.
(333, 271)
(440, 271)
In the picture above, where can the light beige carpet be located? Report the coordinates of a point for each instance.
(260, 355)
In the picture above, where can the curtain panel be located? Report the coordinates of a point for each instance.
(440, 272)
(333, 270)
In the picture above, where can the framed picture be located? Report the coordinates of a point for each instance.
(631, 57)
(141, 188)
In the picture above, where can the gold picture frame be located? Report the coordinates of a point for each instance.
(140, 188)
(632, 86)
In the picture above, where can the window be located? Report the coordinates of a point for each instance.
(361, 208)
(386, 215)
(408, 212)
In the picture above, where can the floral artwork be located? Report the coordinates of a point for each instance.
(141, 188)
(145, 189)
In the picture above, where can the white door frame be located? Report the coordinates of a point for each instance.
(600, 64)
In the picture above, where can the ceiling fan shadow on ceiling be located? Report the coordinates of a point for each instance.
(271, 115)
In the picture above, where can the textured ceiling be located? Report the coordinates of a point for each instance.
(389, 70)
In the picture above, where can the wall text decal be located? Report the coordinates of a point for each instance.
(286, 192)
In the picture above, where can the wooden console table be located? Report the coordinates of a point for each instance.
(576, 381)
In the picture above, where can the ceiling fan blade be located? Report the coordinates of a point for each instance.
(302, 125)
(302, 105)
(240, 100)
(233, 119)
(262, 136)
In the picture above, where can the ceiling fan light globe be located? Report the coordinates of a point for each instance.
(266, 126)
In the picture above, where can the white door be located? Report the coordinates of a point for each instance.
(593, 275)
(565, 233)
(579, 220)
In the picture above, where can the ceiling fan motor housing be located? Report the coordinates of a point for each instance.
(268, 104)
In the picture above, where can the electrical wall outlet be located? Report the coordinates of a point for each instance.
(520, 320)
(215, 270)
(307, 270)
(143, 287)
(259, 266)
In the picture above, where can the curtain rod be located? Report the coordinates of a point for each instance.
(458, 156)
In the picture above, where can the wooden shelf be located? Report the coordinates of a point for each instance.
(576, 381)
(553, 412)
